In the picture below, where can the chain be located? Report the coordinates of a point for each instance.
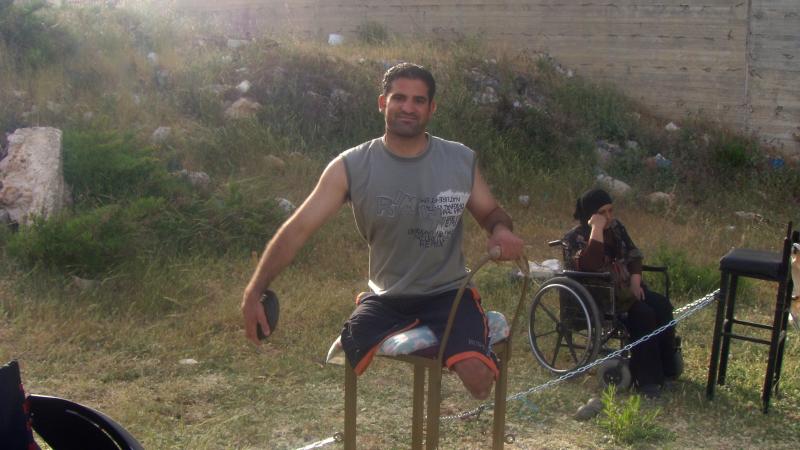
(337, 437)
(679, 315)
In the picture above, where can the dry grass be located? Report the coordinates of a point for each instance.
(104, 349)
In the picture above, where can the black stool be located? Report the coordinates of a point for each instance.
(762, 265)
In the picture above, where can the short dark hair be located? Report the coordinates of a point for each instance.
(412, 71)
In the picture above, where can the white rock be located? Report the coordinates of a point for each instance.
(84, 284)
(671, 127)
(273, 162)
(244, 108)
(32, 175)
(200, 180)
(243, 87)
(335, 39)
(188, 361)
(160, 135)
(524, 200)
(660, 198)
(285, 204)
(613, 186)
(749, 216)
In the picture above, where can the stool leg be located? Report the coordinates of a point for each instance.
(777, 334)
(727, 329)
(350, 406)
(417, 419)
(715, 343)
(500, 389)
(787, 299)
(434, 403)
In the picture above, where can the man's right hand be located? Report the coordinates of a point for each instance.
(254, 315)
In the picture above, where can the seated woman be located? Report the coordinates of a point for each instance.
(600, 243)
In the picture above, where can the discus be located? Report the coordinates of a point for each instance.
(269, 301)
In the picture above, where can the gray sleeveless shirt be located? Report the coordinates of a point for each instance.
(409, 212)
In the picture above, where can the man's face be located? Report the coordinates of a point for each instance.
(406, 107)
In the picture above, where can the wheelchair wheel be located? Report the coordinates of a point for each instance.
(564, 326)
(614, 371)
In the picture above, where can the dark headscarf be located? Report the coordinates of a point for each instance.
(588, 204)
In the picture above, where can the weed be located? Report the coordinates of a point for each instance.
(626, 420)
(687, 279)
(372, 33)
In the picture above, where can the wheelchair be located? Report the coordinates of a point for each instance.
(573, 320)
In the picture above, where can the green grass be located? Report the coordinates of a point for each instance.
(168, 263)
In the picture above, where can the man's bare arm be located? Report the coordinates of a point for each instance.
(483, 206)
(323, 202)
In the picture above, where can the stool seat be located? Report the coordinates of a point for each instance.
(754, 263)
(421, 340)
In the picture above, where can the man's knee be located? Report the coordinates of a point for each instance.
(476, 376)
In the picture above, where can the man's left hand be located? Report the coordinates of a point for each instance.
(511, 246)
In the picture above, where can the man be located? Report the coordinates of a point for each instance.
(408, 190)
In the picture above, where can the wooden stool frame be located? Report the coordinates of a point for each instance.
(433, 367)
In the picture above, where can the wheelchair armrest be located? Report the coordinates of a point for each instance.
(663, 270)
(604, 276)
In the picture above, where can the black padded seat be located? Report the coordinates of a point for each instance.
(754, 263)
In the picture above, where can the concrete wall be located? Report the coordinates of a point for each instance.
(735, 61)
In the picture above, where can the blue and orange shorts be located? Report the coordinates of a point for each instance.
(376, 318)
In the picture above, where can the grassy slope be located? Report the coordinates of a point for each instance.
(117, 347)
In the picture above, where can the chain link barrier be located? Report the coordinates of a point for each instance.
(679, 315)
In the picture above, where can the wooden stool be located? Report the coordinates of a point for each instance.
(433, 366)
(762, 265)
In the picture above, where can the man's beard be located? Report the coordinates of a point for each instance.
(396, 126)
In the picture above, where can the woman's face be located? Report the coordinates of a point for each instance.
(608, 212)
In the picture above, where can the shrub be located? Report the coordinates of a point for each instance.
(687, 280)
(105, 167)
(33, 39)
(86, 244)
(372, 33)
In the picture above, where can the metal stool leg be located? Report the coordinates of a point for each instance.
(784, 327)
(417, 419)
(500, 390)
(434, 403)
(727, 329)
(775, 343)
(350, 406)
(713, 364)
